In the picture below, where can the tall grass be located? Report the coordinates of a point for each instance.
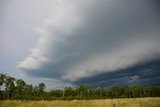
(135, 102)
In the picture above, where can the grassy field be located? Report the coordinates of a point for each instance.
(135, 102)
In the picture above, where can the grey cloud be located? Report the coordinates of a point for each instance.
(143, 74)
(87, 38)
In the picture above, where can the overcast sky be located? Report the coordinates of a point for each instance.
(71, 42)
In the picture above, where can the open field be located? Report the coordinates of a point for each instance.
(135, 102)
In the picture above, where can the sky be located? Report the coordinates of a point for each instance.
(71, 42)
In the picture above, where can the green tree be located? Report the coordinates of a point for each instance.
(29, 92)
(9, 86)
(82, 92)
(35, 92)
(114, 92)
(68, 92)
(41, 88)
(58, 93)
(101, 92)
(20, 88)
(2, 80)
(137, 91)
(125, 92)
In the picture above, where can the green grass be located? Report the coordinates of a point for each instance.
(134, 102)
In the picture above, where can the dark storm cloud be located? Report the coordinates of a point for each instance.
(85, 39)
(145, 74)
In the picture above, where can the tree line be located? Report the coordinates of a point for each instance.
(17, 89)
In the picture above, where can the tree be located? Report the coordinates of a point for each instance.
(20, 88)
(101, 92)
(58, 93)
(137, 91)
(29, 91)
(36, 91)
(2, 80)
(69, 92)
(125, 92)
(114, 92)
(41, 87)
(10, 86)
(82, 92)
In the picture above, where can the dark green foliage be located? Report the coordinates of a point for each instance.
(9, 86)
(19, 90)
(2, 79)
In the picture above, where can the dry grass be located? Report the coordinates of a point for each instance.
(135, 102)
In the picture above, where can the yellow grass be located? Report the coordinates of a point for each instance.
(135, 102)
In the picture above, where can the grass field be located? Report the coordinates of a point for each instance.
(135, 102)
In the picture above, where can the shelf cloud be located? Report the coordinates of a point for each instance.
(84, 39)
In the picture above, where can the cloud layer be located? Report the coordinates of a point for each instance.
(83, 39)
(144, 74)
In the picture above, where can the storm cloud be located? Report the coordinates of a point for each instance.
(86, 39)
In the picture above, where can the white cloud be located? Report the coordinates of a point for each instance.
(33, 61)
